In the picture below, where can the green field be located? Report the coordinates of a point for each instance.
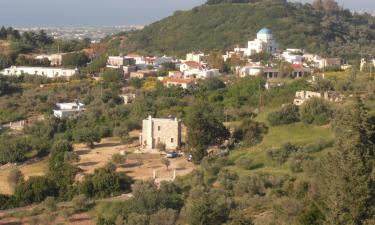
(299, 134)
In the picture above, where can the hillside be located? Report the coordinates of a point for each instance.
(222, 26)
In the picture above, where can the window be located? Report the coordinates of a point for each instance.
(172, 140)
(158, 128)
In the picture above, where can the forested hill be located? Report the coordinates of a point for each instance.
(329, 31)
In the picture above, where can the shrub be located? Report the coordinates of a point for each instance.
(297, 160)
(35, 189)
(227, 178)
(105, 182)
(161, 146)
(287, 115)
(49, 204)
(164, 217)
(245, 163)
(15, 177)
(250, 132)
(118, 159)
(80, 203)
(317, 147)
(316, 111)
(282, 154)
(252, 185)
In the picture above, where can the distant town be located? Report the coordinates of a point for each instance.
(95, 34)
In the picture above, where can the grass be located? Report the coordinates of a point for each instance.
(298, 133)
(36, 169)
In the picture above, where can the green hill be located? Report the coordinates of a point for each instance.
(222, 26)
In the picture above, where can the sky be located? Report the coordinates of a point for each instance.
(69, 13)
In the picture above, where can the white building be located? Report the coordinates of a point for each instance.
(160, 130)
(251, 70)
(50, 72)
(55, 59)
(123, 63)
(158, 61)
(128, 98)
(293, 56)
(191, 65)
(201, 73)
(183, 83)
(263, 43)
(66, 110)
(197, 57)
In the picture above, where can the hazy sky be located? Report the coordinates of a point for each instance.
(107, 12)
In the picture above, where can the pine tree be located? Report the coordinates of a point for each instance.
(348, 171)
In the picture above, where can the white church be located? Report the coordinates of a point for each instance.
(263, 43)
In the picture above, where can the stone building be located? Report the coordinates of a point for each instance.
(302, 96)
(160, 130)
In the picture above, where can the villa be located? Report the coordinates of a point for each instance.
(66, 110)
(160, 130)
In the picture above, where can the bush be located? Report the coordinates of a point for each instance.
(118, 159)
(75, 59)
(297, 160)
(250, 132)
(80, 203)
(161, 146)
(317, 147)
(282, 154)
(245, 163)
(316, 111)
(15, 177)
(287, 115)
(34, 190)
(227, 178)
(105, 182)
(253, 185)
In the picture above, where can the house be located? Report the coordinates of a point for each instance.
(160, 130)
(250, 70)
(300, 71)
(201, 73)
(140, 60)
(123, 63)
(191, 65)
(119, 61)
(66, 110)
(199, 57)
(264, 42)
(128, 98)
(175, 74)
(270, 73)
(55, 59)
(183, 83)
(322, 63)
(141, 74)
(302, 96)
(50, 72)
(293, 56)
(158, 61)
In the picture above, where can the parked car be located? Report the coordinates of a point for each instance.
(172, 154)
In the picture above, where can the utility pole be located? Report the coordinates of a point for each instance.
(260, 96)
(101, 89)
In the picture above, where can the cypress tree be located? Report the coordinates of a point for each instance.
(348, 171)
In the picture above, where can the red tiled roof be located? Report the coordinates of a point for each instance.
(193, 64)
(134, 56)
(176, 80)
(297, 66)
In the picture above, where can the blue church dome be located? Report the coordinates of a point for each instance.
(265, 31)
